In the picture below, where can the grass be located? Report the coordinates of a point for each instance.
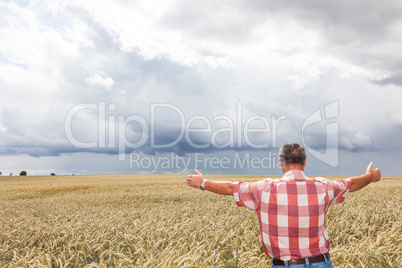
(157, 221)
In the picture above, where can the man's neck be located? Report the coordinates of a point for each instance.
(292, 167)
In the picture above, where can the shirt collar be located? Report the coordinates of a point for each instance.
(292, 173)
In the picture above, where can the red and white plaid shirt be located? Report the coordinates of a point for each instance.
(291, 212)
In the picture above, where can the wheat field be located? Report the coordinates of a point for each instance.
(158, 221)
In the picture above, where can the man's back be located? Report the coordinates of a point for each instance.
(291, 211)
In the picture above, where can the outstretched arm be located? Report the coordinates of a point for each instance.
(372, 175)
(218, 187)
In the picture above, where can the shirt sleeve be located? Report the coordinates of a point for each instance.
(337, 190)
(248, 194)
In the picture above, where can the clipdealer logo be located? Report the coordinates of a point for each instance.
(111, 133)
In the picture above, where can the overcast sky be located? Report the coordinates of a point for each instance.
(95, 87)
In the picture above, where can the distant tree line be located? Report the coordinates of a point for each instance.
(24, 173)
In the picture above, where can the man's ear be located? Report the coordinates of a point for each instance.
(280, 161)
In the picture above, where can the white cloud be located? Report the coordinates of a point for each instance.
(231, 35)
(100, 80)
(2, 128)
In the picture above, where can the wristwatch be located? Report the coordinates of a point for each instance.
(202, 185)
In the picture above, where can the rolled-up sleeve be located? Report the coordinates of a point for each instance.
(248, 194)
(337, 190)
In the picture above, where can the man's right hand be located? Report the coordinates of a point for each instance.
(195, 180)
(374, 173)
(218, 187)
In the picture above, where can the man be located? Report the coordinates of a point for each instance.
(291, 210)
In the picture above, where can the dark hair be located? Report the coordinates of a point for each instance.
(292, 153)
